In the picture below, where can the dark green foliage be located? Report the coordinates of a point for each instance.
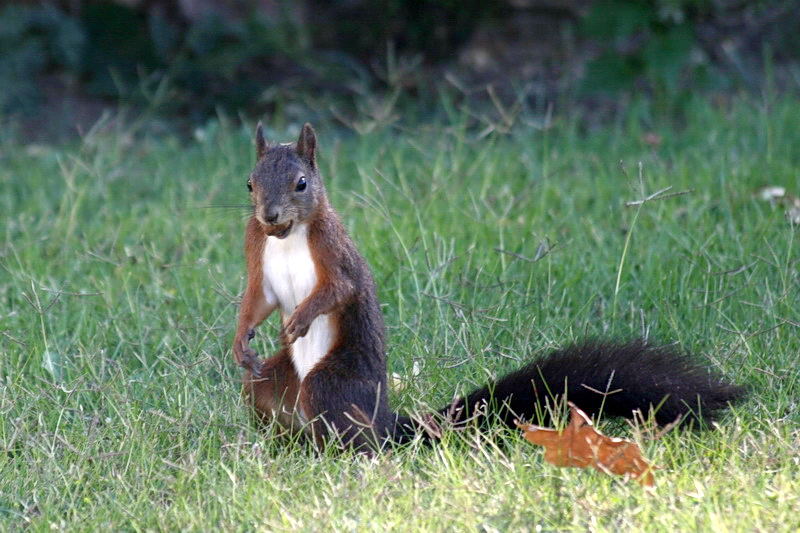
(434, 28)
(651, 41)
(113, 49)
(32, 41)
(119, 44)
(336, 54)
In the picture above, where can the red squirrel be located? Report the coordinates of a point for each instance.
(329, 376)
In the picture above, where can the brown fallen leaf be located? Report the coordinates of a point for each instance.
(581, 445)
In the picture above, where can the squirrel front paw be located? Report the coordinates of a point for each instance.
(252, 362)
(296, 327)
(245, 356)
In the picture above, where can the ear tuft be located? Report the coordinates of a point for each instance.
(261, 144)
(307, 145)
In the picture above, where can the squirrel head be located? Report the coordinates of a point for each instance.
(285, 186)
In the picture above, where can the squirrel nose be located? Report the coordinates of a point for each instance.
(272, 214)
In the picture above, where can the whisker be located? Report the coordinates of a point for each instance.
(225, 206)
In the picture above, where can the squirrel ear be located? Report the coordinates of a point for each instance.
(261, 144)
(307, 145)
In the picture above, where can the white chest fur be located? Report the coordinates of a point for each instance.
(289, 277)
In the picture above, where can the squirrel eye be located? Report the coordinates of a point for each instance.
(249, 185)
(301, 185)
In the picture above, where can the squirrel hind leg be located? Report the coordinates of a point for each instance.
(350, 413)
(273, 390)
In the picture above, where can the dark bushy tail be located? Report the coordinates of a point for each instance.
(617, 378)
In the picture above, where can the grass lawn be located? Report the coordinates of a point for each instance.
(119, 283)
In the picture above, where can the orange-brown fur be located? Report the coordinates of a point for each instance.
(254, 308)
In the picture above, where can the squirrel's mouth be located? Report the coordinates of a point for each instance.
(280, 231)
